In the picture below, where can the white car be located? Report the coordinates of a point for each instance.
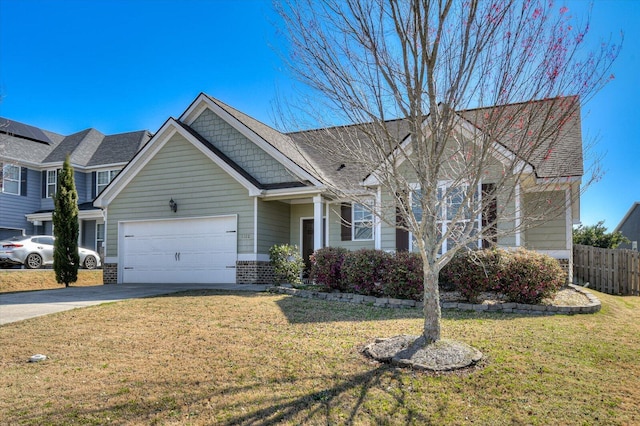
(37, 251)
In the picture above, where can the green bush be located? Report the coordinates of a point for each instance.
(523, 276)
(530, 277)
(404, 278)
(364, 271)
(475, 271)
(326, 267)
(287, 263)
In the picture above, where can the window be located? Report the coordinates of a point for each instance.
(52, 181)
(454, 213)
(104, 178)
(99, 236)
(362, 221)
(11, 179)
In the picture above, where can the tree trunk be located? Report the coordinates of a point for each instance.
(431, 307)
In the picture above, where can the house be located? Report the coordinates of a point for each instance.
(629, 226)
(213, 189)
(30, 158)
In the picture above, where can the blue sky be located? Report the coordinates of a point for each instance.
(124, 65)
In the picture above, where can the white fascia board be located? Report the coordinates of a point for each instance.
(203, 102)
(168, 130)
(286, 193)
(82, 215)
(18, 162)
(105, 167)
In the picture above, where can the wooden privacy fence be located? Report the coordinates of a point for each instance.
(610, 271)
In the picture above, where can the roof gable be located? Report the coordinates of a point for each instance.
(269, 141)
(170, 128)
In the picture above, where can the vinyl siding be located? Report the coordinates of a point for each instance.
(551, 233)
(273, 224)
(13, 208)
(237, 147)
(201, 188)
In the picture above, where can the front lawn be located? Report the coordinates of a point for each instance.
(241, 358)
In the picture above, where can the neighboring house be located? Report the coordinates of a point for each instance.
(629, 226)
(30, 159)
(212, 190)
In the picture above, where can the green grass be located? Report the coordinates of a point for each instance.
(236, 358)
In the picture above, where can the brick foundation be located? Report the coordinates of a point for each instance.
(254, 272)
(110, 273)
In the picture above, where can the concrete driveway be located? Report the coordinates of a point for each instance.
(19, 306)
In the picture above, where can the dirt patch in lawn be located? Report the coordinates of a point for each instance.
(12, 280)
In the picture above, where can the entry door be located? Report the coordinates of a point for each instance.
(307, 241)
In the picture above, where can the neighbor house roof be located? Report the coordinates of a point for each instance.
(88, 148)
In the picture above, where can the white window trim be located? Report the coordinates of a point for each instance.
(111, 175)
(353, 220)
(442, 222)
(50, 194)
(5, 179)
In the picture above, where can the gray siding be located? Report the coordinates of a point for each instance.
(13, 208)
(273, 224)
(245, 153)
(631, 228)
(201, 188)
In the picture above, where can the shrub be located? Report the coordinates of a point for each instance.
(287, 263)
(404, 278)
(326, 267)
(530, 277)
(364, 270)
(473, 272)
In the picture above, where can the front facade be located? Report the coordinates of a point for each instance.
(213, 190)
(30, 159)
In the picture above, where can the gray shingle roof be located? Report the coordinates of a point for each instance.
(88, 148)
(555, 154)
(546, 132)
(118, 148)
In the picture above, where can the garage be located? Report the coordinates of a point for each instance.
(200, 250)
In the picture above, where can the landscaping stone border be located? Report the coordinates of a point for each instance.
(591, 307)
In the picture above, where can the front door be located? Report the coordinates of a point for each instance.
(307, 243)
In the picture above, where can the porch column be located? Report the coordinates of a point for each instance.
(518, 218)
(317, 222)
(377, 230)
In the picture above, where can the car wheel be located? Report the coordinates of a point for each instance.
(90, 262)
(33, 261)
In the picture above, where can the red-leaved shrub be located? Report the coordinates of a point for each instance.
(364, 271)
(326, 267)
(530, 277)
(404, 278)
(474, 271)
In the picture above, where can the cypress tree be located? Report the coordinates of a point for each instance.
(65, 227)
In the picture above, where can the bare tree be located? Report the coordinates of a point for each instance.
(486, 90)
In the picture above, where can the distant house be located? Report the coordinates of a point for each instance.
(30, 158)
(211, 191)
(629, 226)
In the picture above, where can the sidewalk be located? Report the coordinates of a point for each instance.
(19, 306)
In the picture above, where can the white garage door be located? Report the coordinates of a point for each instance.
(200, 250)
